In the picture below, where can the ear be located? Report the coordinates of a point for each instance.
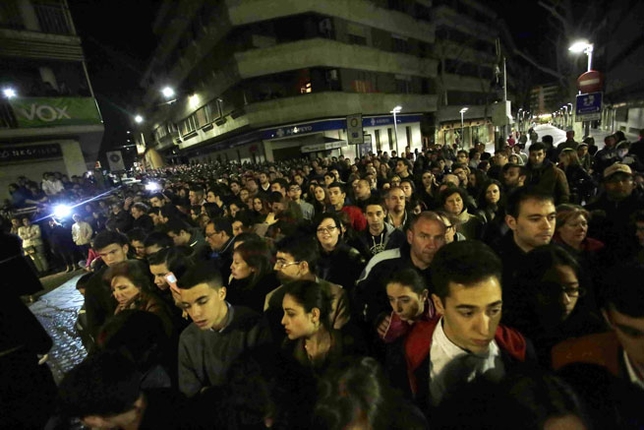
(222, 293)
(315, 315)
(511, 222)
(423, 295)
(126, 248)
(438, 304)
(304, 266)
(410, 236)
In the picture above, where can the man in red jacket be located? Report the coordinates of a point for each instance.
(337, 197)
(466, 340)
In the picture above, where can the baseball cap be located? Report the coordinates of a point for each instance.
(617, 168)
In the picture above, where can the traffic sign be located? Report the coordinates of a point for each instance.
(590, 82)
(589, 107)
(354, 129)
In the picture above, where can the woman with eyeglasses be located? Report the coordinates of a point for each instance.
(339, 263)
(550, 300)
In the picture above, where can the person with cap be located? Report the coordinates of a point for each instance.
(613, 208)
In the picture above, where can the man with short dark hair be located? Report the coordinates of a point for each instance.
(512, 177)
(295, 194)
(542, 173)
(466, 341)
(184, 235)
(379, 234)
(264, 184)
(296, 259)
(337, 197)
(219, 235)
(279, 184)
(220, 332)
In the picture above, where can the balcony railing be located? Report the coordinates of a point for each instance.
(52, 19)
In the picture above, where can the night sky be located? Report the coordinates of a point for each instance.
(117, 42)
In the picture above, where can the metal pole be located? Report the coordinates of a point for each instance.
(396, 133)
(462, 131)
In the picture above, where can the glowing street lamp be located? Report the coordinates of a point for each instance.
(462, 111)
(395, 111)
(167, 92)
(585, 47)
(9, 93)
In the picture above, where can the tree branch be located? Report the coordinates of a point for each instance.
(554, 12)
(539, 66)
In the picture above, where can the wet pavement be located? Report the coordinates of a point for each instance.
(57, 309)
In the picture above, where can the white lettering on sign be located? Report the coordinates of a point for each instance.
(45, 113)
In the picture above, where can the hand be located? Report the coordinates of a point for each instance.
(384, 326)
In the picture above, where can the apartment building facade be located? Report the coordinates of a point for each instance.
(49, 118)
(272, 80)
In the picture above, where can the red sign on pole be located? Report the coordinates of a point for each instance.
(590, 82)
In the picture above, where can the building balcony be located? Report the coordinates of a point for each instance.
(329, 53)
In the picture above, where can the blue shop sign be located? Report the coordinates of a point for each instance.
(334, 124)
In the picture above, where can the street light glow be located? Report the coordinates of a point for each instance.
(138, 119)
(9, 93)
(167, 92)
(397, 109)
(579, 46)
(463, 110)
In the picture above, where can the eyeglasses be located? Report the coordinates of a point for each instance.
(326, 229)
(573, 292)
(209, 235)
(280, 264)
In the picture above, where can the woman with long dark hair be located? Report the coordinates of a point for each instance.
(339, 263)
(252, 275)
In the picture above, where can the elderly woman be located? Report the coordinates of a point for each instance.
(133, 288)
(452, 200)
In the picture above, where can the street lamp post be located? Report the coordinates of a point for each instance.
(586, 48)
(395, 111)
(462, 111)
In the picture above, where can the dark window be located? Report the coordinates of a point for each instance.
(357, 40)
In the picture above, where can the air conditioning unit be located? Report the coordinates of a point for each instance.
(221, 121)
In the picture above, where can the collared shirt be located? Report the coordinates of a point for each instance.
(451, 365)
(229, 318)
(632, 374)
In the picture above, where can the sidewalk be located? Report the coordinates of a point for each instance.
(56, 308)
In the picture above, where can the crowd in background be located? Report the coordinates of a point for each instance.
(437, 289)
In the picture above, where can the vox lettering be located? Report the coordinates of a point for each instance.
(44, 113)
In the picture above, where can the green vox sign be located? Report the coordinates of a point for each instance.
(53, 112)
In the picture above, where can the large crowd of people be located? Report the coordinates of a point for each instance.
(445, 288)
